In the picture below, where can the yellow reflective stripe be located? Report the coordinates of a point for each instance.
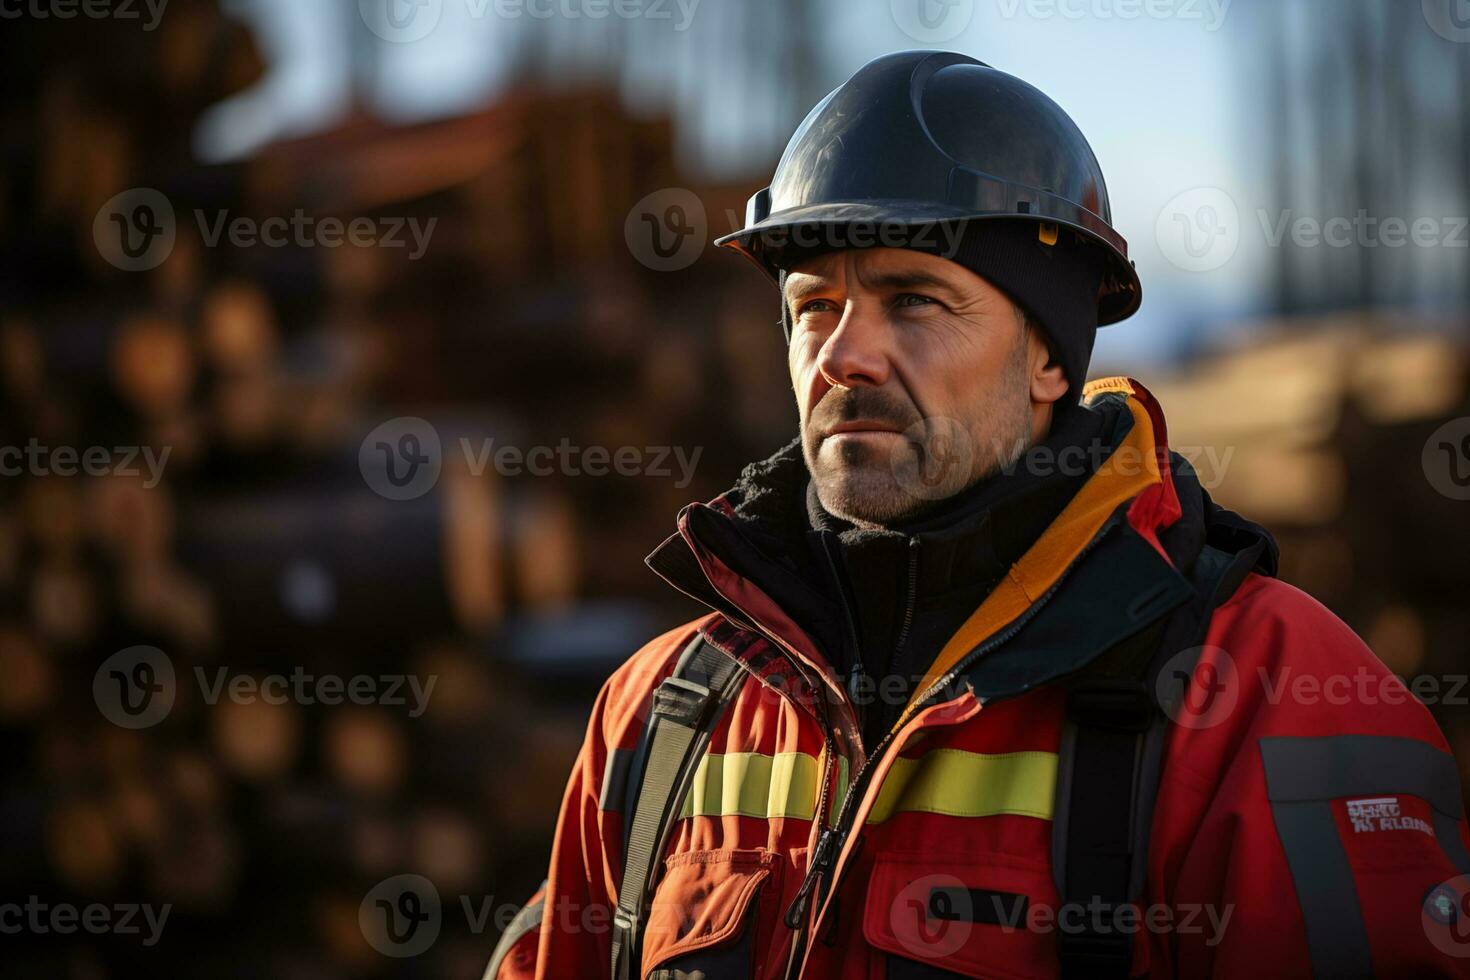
(753, 784)
(969, 784)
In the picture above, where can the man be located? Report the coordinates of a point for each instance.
(989, 687)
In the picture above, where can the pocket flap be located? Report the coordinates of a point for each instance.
(964, 916)
(702, 901)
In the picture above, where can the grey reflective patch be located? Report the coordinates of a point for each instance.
(615, 779)
(1336, 937)
(1331, 766)
(1303, 777)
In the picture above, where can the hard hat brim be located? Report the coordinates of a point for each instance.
(763, 241)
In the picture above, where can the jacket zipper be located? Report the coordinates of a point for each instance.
(834, 836)
(909, 602)
(825, 852)
(855, 668)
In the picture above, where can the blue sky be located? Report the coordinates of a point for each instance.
(1167, 91)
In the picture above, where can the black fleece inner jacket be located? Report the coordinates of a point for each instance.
(905, 590)
(850, 590)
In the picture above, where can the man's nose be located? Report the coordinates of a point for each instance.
(856, 352)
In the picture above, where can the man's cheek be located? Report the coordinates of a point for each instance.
(809, 387)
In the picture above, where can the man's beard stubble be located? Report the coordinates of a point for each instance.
(935, 459)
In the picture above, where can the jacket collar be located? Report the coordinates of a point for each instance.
(971, 539)
(1114, 559)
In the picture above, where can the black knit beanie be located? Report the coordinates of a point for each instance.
(1045, 269)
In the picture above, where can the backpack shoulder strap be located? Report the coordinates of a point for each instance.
(687, 706)
(1109, 767)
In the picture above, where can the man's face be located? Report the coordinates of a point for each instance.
(914, 379)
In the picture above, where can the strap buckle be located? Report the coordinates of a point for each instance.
(624, 942)
(683, 701)
(1119, 705)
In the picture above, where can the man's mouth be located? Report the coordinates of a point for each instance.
(863, 427)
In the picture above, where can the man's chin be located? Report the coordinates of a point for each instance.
(866, 498)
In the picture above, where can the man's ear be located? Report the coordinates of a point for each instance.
(1048, 380)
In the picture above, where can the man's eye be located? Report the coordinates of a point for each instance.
(913, 299)
(814, 306)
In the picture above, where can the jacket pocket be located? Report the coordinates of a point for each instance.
(704, 915)
(958, 918)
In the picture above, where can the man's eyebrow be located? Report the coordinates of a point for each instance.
(911, 279)
(797, 288)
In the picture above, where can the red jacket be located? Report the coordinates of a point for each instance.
(1308, 819)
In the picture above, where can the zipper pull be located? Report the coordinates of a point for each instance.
(820, 861)
(855, 677)
(857, 694)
